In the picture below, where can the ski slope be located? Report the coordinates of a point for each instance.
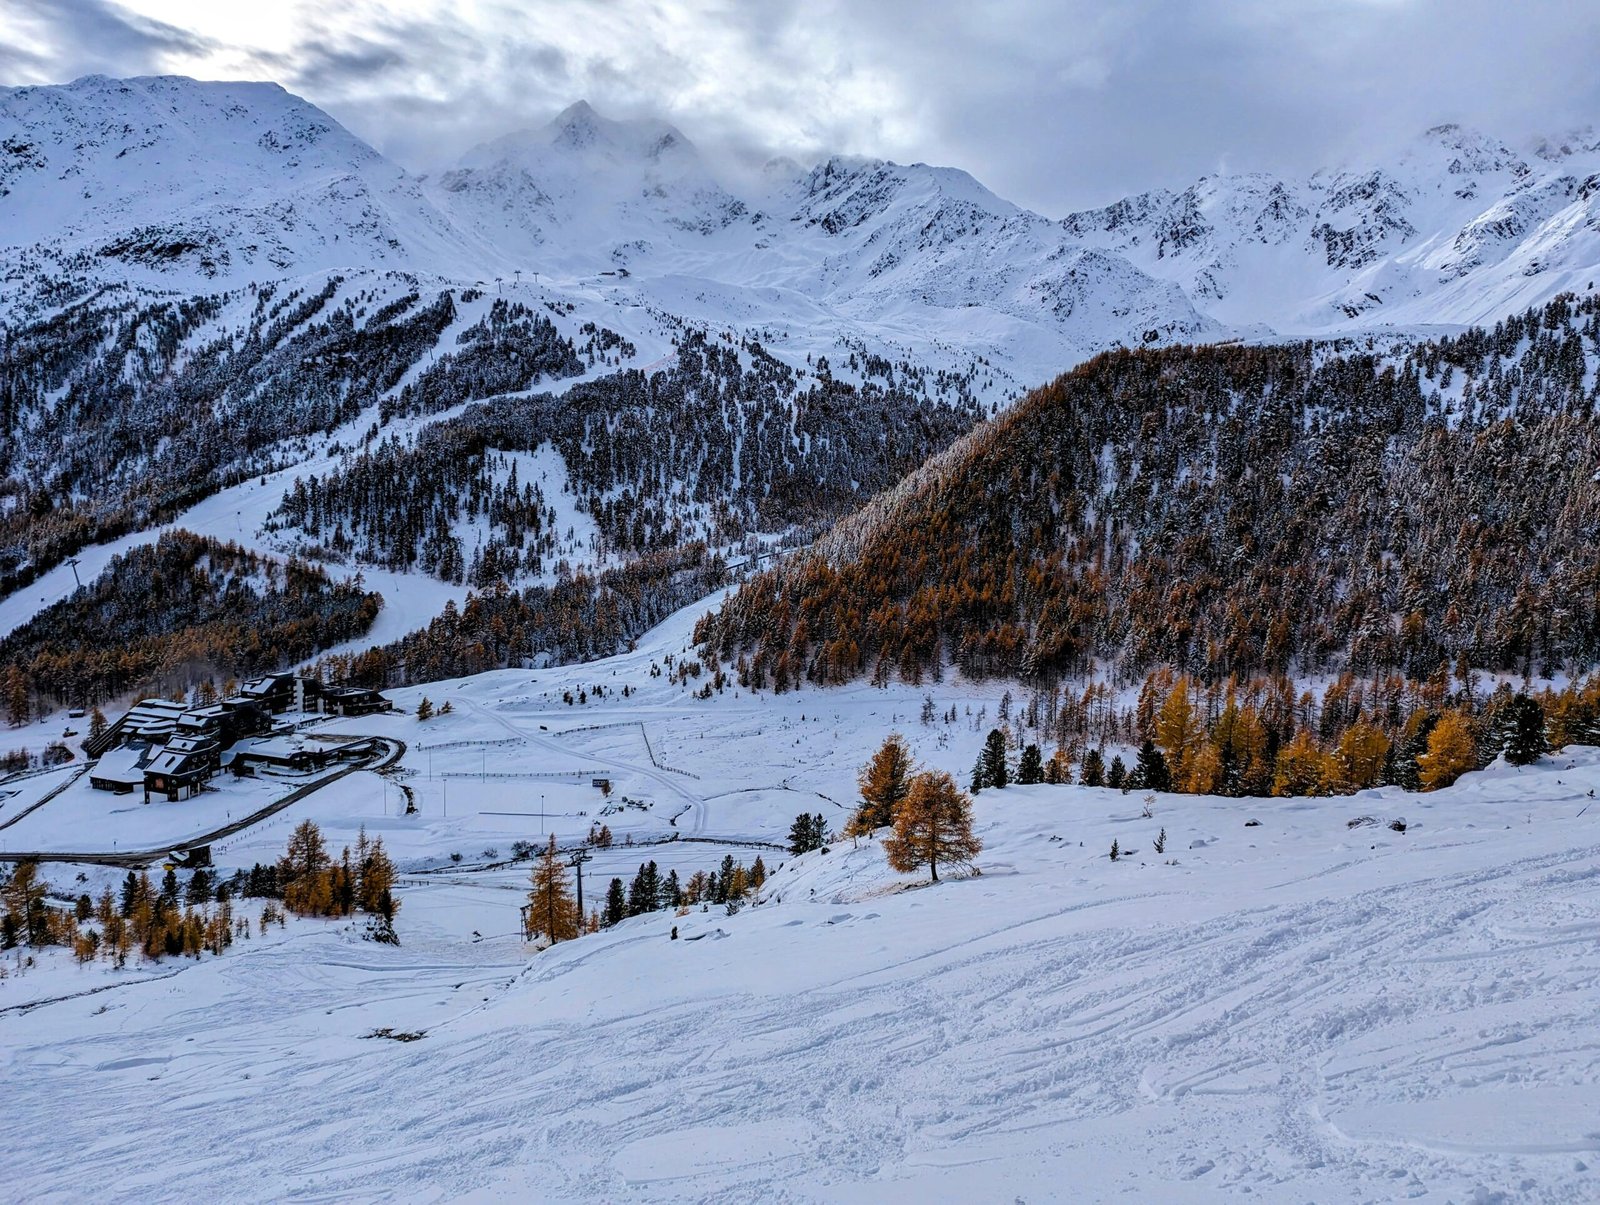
(1294, 1011)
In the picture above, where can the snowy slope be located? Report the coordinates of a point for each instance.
(1295, 1011)
(167, 180)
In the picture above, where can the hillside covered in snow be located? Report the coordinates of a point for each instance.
(1383, 996)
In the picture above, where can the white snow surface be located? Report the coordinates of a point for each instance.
(1294, 1011)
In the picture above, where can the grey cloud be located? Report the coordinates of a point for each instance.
(99, 35)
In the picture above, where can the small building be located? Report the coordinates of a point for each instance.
(121, 770)
(280, 753)
(352, 700)
(272, 692)
(150, 721)
(175, 776)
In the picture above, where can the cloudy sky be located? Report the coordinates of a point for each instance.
(1053, 103)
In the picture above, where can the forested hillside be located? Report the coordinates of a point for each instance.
(117, 416)
(223, 612)
(1227, 511)
(725, 440)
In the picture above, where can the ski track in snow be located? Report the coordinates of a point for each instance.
(1295, 1012)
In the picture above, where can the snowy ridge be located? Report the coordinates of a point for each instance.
(174, 184)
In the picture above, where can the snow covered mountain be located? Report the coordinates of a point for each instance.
(170, 182)
(1460, 229)
(181, 185)
(204, 284)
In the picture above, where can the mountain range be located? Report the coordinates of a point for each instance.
(178, 186)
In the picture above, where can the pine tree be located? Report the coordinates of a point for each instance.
(616, 904)
(1525, 739)
(1030, 769)
(805, 834)
(1094, 769)
(882, 783)
(97, 724)
(995, 771)
(1150, 771)
(1117, 775)
(550, 907)
(425, 709)
(932, 827)
(199, 889)
(1451, 752)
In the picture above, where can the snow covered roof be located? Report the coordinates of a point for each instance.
(124, 765)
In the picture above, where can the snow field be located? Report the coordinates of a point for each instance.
(1295, 1011)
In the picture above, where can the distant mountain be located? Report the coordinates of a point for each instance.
(177, 184)
(1459, 229)
(168, 183)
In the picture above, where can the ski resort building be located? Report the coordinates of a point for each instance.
(172, 749)
(121, 770)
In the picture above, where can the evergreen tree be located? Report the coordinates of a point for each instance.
(1117, 775)
(932, 827)
(199, 889)
(425, 709)
(1094, 769)
(805, 834)
(616, 904)
(1030, 769)
(1150, 771)
(995, 771)
(1525, 739)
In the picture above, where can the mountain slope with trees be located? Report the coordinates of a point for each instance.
(1227, 511)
